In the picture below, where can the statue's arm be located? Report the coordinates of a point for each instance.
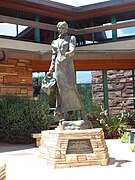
(72, 44)
(52, 66)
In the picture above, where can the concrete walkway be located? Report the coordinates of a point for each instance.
(23, 163)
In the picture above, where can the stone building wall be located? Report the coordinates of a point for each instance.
(16, 77)
(120, 89)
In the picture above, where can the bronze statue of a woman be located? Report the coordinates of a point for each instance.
(67, 97)
(62, 64)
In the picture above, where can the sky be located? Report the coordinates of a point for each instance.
(79, 2)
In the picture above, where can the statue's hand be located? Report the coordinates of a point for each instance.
(68, 54)
(49, 75)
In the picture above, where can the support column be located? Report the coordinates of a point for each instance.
(133, 78)
(105, 89)
(114, 31)
(54, 32)
(93, 36)
(71, 25)
(54, 35)
(37, 30)
(17, 29)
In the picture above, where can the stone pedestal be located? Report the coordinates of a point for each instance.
(74, 148)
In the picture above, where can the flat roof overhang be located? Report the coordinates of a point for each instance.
(66, 12)
(83, 60)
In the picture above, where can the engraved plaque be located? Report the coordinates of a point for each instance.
(79, 146)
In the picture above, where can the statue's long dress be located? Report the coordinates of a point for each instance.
(68, 98)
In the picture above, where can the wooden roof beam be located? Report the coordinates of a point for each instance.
(50, 27)
(105, 28)
(33, 24)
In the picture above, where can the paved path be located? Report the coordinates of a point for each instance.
(23, 164)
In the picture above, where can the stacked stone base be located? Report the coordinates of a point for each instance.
(74, 148)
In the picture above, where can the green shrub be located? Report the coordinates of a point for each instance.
(85, 91)
(133, 148)
(92, 109)
(19, 117)
(92, 112)
(125, 137)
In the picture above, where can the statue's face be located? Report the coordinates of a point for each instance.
(62, 29)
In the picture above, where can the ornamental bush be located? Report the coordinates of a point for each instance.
(20, 117)
(113, 125)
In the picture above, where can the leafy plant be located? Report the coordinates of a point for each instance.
(19, 117)
(115, 124)
(130, 115)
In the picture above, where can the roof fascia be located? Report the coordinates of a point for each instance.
(68, 12)
(89, 7)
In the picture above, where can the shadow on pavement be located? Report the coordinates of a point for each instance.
(118, 163)
(16, 147)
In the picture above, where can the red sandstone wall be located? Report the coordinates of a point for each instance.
(120, 89)
(16, 77)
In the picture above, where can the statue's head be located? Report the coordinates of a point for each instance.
(62, 27)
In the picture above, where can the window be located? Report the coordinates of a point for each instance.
(8, 29)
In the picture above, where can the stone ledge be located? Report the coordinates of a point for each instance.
(2, 171)
(37, 136)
